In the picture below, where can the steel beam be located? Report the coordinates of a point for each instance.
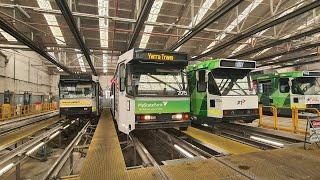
(7, 27)
(299, 64)
(259, 28)
(64, 8)
(288, 60)
(214, 16)
(275, 43)
(140, 21)
(302, 48)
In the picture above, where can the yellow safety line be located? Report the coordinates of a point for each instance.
(227, 145)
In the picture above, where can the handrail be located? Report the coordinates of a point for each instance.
(8, 111)
(294, 118)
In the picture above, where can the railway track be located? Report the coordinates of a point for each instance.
(257, 137)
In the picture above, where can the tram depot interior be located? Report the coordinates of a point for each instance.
(159, 89)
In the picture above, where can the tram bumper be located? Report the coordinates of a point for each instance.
(162, 124)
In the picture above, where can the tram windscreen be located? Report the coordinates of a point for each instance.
(305, 86)
(75, 90)
(229, 82)
(158, 82)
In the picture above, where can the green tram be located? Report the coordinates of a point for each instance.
(290, 89)
(221, 91)
(150, 91)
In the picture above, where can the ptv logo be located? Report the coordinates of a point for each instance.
(241, 102)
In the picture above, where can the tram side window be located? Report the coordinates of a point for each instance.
(284, 85)
(265, 87)
(122, 77)
(201, 82)
(212, 85)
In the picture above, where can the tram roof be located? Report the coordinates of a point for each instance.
(223, 63)
(291, 74)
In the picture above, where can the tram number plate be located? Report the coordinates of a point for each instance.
(314, 129)
(239, 64)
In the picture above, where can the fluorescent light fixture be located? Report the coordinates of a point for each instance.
(153, 15)
(35, 148)
(66, 126)
(6, 168)
(103, 10)
(267, 141)
(183, 151)
(54, 135)
(52, 22)
(80, 60)
(105, 62)
(199, 16)
(73, 121)
(7, 36)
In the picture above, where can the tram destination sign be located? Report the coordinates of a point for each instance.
(314, 130)
(160, 56)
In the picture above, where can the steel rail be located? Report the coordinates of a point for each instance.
(10, 29)
(212, 17)
(150, 158)
(67, 14)
(59, 163)
(29, 144)
(9, 126)
(259, 28)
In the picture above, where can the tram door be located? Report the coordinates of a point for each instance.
(125, 105)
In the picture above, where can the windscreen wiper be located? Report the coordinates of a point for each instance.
(162, 82)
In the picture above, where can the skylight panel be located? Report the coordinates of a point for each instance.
(52, 22)
(103, 9)
(80, 60)
(52, 54)
(234, 23)
(198, 17)
(153, 15)
(262, 32)
(7, 36)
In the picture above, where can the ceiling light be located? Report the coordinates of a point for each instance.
(153, 16)
(103, 10)
(7, 36)
(52, 22)
(199, 16)
(235, 22)
(52, 54)
(262, 32)
(80, 60)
